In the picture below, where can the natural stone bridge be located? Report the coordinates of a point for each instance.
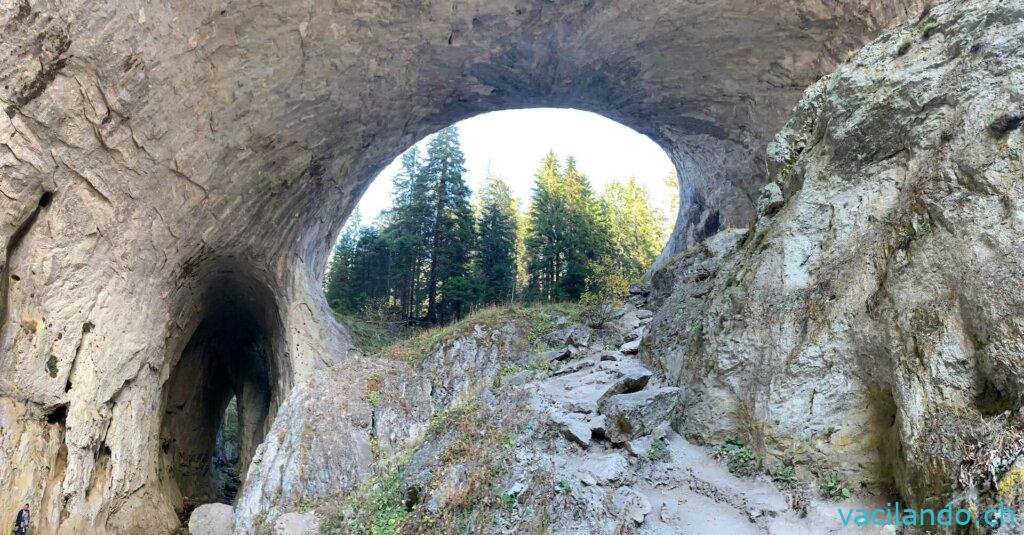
(172, 177)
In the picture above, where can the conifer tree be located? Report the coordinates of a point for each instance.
(635, 229)
(451, 226)
(564, 236)
(496, 257)
(407, 233)
(338, 277)
(543, 233)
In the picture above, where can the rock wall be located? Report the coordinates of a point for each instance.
(870, 320)
(159, 163)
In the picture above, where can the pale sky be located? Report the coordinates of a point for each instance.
(511, 144)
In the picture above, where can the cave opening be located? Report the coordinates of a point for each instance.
(220, 397)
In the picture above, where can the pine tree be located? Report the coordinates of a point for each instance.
(636, 230)
(496, 257)
(337, 280)
(542, 234)
(564, 235)
(451, 225)
(407, 233)
(370, 281)
(585, 240)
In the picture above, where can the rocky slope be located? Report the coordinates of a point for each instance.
(569, 435)
(870, 320)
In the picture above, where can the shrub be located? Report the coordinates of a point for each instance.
(738, 457)
(606, 289)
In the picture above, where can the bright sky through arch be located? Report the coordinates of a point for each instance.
(511, 144)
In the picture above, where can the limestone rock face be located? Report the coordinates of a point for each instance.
(872, 323)
(172, 178)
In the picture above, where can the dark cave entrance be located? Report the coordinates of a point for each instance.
(220, 397)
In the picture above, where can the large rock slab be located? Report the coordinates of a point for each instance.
(631, 415)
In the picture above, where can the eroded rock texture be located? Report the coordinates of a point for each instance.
(871, 321)
(169, 167)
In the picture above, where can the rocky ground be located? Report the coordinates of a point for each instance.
(569, 435)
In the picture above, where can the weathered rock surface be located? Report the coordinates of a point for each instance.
(297, 524)
(628, 416)
(872, 323)
(172, 177)
(211, 519)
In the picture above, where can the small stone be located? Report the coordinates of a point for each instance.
(630, 348)
(606, 468)
(640, 446)
(553, 355)
(643, 314)
(578, 335)
(573, 429)
(629, 503)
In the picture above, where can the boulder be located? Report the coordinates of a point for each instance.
(571, 427)
(632, 415)
(212, 519)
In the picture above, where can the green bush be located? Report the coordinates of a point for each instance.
(739, 458)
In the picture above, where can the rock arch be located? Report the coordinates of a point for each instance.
(242, 130)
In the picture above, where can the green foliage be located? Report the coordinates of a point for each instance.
(415, 258)
(507, 500)
(381, 506)
(785, 476)
(739, 458)
(564, 485)
(536, 318)
(564, 235)
(432, 259)
(497, 246)
(510, 369)
(657, 447)
(833, 487)
(607, 287)
(635, 230)
(51, 365)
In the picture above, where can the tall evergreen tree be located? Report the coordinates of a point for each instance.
(585, 240)
(338, 278)
(563, 238)
(408, 232)
(451, 225)
(496, 258)
(636, 230)
(543, 233)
